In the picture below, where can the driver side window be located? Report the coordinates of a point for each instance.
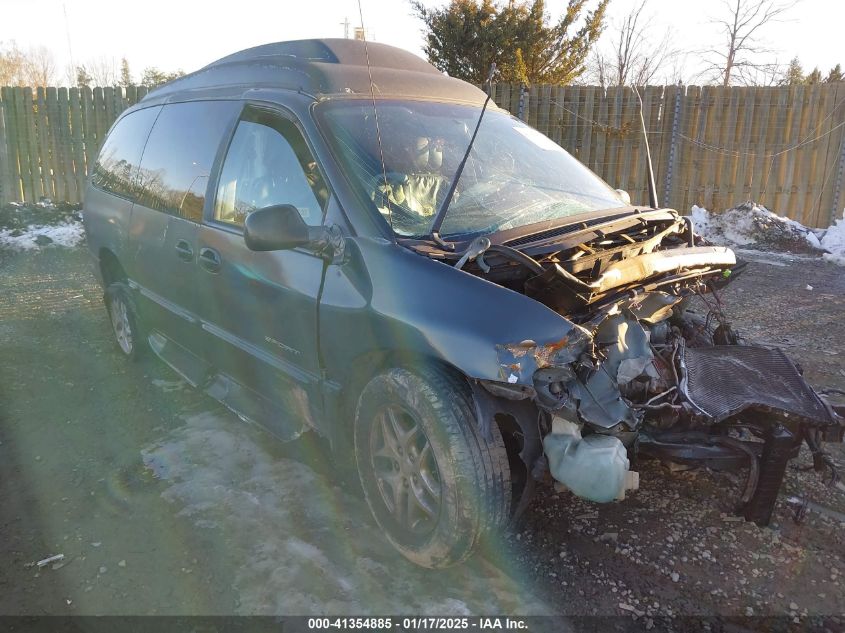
(268, 163)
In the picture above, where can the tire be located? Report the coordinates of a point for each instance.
(434, 485)
(123, 316)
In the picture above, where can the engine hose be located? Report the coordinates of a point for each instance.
(753, 471)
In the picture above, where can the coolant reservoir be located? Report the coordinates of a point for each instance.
(594, 467)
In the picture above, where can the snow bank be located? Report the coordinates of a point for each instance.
(833, 241)
(752, 225)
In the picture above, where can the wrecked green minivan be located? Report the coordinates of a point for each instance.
(332, 236)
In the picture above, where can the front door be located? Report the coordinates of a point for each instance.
(259, 309)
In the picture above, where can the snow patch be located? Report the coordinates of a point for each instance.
(833, 241)
(68, 234)
(297, 543)
(754, 226)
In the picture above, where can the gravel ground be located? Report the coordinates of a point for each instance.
(98, 461)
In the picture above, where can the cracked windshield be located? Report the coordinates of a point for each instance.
(513, 176)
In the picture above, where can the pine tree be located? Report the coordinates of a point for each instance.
(794, 73)
(83, 77)
(466, 36)
(835, 74)
(125, 74)
(815, 77)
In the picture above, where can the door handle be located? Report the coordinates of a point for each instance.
(184, 251)
(210, 260)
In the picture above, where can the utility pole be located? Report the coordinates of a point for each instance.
(345, 24)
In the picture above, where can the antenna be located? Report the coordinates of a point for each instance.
(652, 187)
(375, 116)
(345, 25)
(69, 48)
(441, 213)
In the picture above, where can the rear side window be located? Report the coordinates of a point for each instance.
(179, 154)
(120, 156)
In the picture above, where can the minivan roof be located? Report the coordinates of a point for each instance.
(324, 67)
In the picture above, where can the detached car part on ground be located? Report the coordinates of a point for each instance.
(456, 351)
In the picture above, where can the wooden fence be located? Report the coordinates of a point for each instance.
(712, 146)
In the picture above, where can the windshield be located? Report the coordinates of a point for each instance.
(514, 175)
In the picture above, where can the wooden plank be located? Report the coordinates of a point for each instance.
(79, 167)
(88, 127)
(764, 137)
(108, 104)
(688, 148)
(833, 139)
(544, 104)
(786, 197)
(809, 177)
(12, 142)
(599, 164)
(817, 153)
(99, 111)
(23, 107)
(8, 191)
(533, 97)
(586, 125)
(631, 145)
(615, 139)
(807, 123)
(44, 131)
(572, 98)
(744, 157)
(713, 121)
(786, 112)
(725, 171)
(72, 194)
(662, 167)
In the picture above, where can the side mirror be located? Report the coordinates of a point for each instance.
(626, 198)
(276, 228)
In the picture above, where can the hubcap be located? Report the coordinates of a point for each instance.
(120, 323)
(405, 470)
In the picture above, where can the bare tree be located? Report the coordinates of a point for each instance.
(738, 59)
(636, 55)
(33, 67)
(101, 71)
(40, 67)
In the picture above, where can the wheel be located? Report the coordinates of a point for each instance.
(124, 320)
(432, 482)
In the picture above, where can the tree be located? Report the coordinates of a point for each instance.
(835, 74)
(815, 77)
(33, 67)
(153, 76)
(466, 36)
(83, 78)
(635, 56)
(125, 74)
(794, 74)
(739, 57)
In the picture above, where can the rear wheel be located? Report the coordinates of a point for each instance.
(124, 320)
(432, 482)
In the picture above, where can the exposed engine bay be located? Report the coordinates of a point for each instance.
(652, 367)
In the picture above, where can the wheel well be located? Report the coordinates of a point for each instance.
(110, 268)
(515, 420)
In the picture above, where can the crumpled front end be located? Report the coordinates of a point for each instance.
(643, 374)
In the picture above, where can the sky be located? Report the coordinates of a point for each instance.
(187, 34)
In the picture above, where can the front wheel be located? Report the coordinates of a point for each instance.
(432, 482)
(124, 320)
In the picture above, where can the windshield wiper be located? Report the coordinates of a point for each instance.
(444, 208)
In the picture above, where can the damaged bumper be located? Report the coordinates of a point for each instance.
(646, 379)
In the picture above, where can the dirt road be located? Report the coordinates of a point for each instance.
(163, 502)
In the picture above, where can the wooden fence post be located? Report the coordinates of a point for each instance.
(838, 204)
(6, 189)
(667, 187)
